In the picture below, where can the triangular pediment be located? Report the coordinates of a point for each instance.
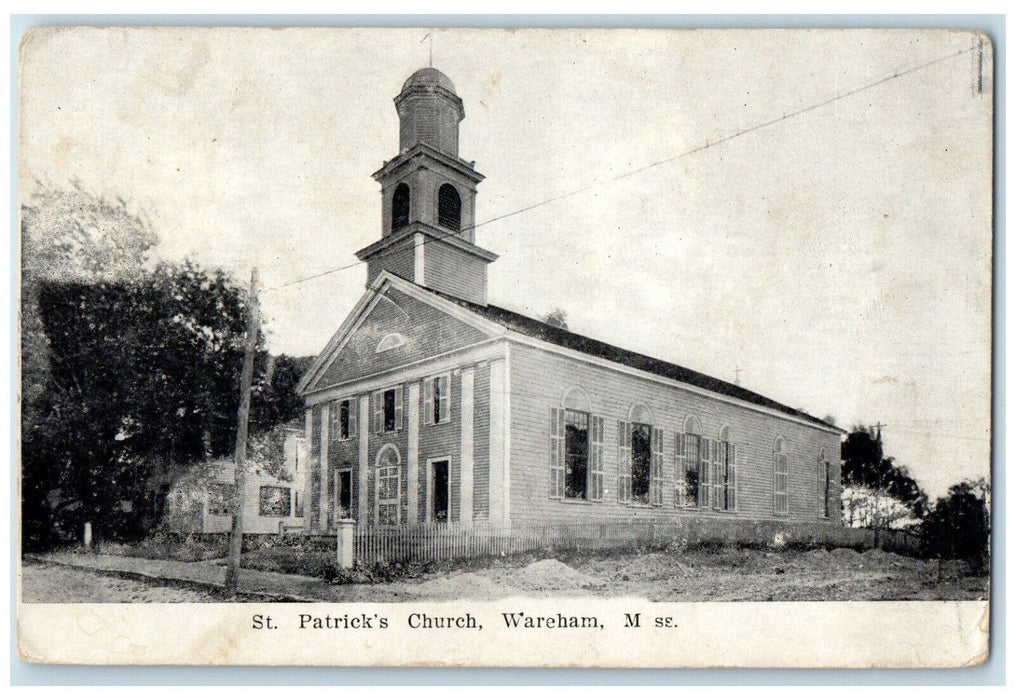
(395, 323)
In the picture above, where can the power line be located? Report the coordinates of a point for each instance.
(709, 143)
(935, 433)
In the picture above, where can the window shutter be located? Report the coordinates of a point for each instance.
(679, 483)
(398, 408)
(379, 410)
(596, 458)
(776, 489)
(623, 462)
(703, 486)
(656, 473)
(351, 404)
(445, 391)
(428, 401)
(823, 490)
(556, 453)
(731, 476)
(719, 473)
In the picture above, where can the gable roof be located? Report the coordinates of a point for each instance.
(573, 341)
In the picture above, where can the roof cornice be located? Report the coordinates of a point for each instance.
(432, 234)
(423, 151)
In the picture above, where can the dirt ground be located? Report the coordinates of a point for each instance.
(727, 575)
(52, 583)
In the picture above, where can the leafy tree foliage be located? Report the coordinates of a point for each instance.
(878, 493)
(958, 527)
(145, 374)
(70, 235)
(557, 318)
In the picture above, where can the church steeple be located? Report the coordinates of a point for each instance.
(428, 196)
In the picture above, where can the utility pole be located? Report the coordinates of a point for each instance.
(878, 468)
(240, 455)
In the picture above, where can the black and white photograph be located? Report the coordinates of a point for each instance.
(503, 334)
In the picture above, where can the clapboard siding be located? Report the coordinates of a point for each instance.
(540, 378)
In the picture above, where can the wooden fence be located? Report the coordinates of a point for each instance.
(439, 541)
(435, 541)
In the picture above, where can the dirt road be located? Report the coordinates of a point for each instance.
(724, 575)
(53, 583)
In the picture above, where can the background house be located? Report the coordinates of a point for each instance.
(200, 499)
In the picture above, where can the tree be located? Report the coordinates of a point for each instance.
(877, 493)
(71, 235)
(959, 526)
(66, 235)
(557, 318)
(274, 398)
(145, 374)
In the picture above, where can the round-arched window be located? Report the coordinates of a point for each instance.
(400, 207)
(640, 413)
(692, 426)
(449, 207)
(576, 399)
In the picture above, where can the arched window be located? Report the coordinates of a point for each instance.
(576, 454)
(692, 426)
(640, 413)
(387, 485)
(691, 459)
(641, 470)
(781, 475)
(576, 399)
(400, 207)
(449, 207)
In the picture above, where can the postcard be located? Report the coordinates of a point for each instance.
(647, 348)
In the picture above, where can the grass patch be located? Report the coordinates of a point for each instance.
(174, 548)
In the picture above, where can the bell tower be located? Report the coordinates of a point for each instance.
(428, 197)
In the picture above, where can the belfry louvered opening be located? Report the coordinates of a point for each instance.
(449, 208)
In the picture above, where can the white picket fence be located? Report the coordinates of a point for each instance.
(436, 541)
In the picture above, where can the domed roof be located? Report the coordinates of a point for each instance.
(429, 77)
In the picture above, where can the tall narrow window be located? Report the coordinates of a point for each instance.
(387, 410)
(342, 417)
(576, 454)
(449, 207)
(439, 499)
(344, 493)
(641, 461)
(687, 464)
(437, 400)
(400, 207)
(781, 499)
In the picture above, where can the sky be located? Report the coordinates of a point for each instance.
(837, 260)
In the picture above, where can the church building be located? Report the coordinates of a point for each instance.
(432, 405)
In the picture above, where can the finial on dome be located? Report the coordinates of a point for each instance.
(429, 77)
